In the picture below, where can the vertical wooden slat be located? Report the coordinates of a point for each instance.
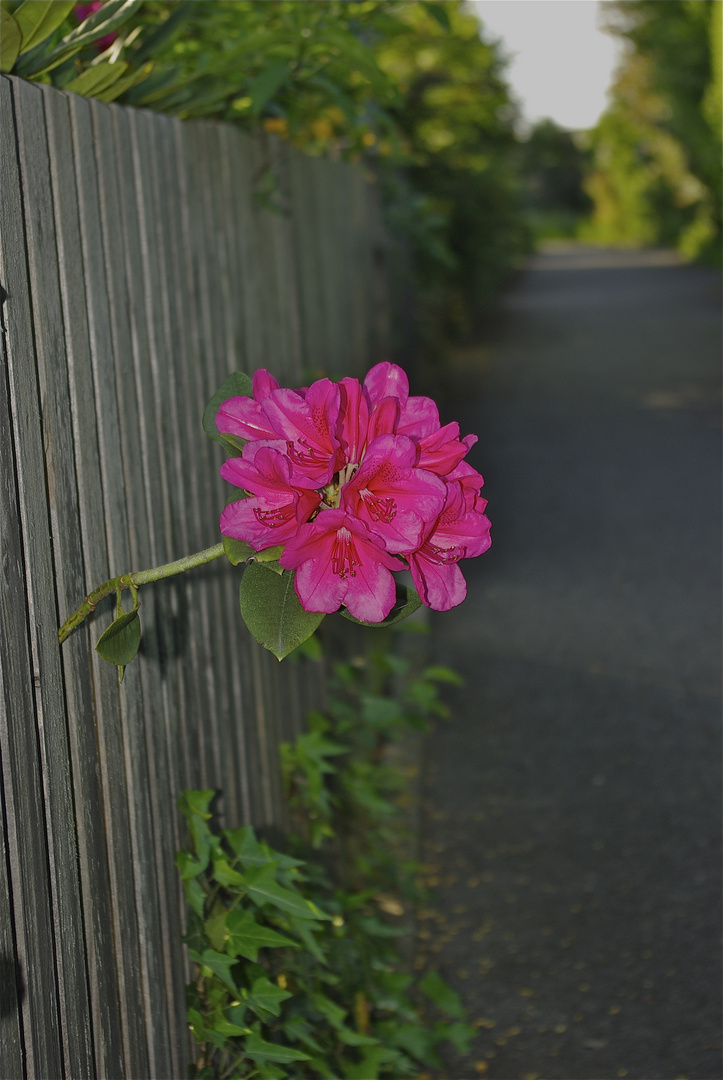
(23, 640)
(60, 480)
(72, 555)
(106, 546)
(141, 704)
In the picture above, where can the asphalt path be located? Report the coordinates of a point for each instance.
(572, 805)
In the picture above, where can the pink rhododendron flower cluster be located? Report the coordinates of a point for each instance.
(356, 482)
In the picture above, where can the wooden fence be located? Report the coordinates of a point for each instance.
(141, 261)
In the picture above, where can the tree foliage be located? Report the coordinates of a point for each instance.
(409, 88)
(657, 149)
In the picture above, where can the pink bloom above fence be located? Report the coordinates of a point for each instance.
(356, 481)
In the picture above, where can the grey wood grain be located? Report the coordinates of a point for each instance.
(60, 483)
(24, 525)
(140, 700)
(107, 541)
(85, 460)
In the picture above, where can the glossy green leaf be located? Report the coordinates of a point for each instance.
(246, 936)
(237, 385)
(120, 642)
(406, 604)
(263, 888)
(10, 40)
(217, 964)
(272, 611)
(38, 19)
(237, 551)
(266, 84)
(225, 874)
(97, 78)
(259, 1050)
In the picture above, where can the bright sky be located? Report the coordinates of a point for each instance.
(562, 64)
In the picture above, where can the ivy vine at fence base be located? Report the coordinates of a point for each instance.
(298, 970)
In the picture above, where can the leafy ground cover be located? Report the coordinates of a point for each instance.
(300, 968)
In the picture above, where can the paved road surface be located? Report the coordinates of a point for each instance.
(572, 807)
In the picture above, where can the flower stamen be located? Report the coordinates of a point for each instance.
(344, 557)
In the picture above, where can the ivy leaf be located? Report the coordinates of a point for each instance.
(258, 1050)
(215, 963)
(443, 996)
(245, 845)
(246, 936)
(272, 611)
(237, 384)
(10, 40)
(263, 888)
(225, 874)
(120, 642)
(406, 604)
(264, 998)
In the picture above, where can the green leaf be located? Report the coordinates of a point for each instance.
(120, 642)
(258, 1050)
(414, 1039)
(236, 551)
(272, 611)
(121, 85)
(231, 1031)
(460, 1035)
(306, 930)
(97, 78)
(194, 807)
(263, 888)
(216, 930)
(37, 19)
(266, 84)
(439, 13)
(439, 673)
(246, 936)
(225, 874)
(264, 998)
(443, 996)
(406, 604)
(10, 40)
(249, 851)
(370, 1064)
(195, 894)
(215, 963)
(237, 385)
(101, 23)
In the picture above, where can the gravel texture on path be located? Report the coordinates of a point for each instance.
(572, 805)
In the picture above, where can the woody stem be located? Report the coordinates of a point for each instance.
(132, 581)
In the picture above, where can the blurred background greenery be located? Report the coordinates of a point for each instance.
(415, 91)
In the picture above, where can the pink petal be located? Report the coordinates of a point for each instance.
(441, 586)
(419, 417)
(263, 384)
(386, 380)
(244, 417)
(353, 420)
(441, 451)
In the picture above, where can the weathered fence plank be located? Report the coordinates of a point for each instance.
(141, 261)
